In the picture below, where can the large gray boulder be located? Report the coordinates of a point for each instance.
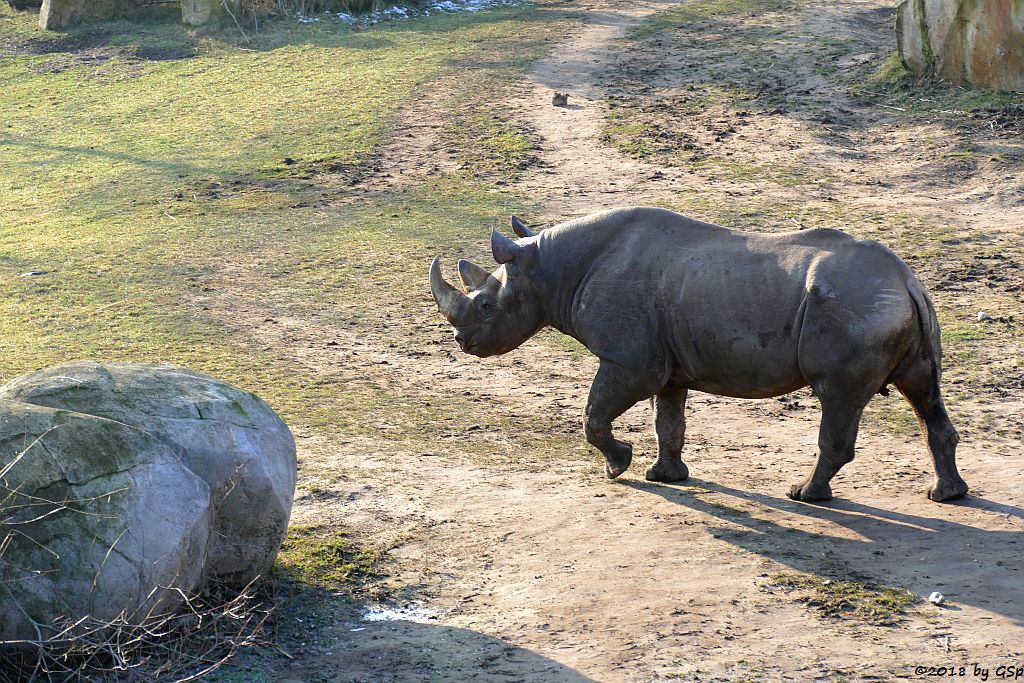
(97, 518)
(964, 41)
(228, 437)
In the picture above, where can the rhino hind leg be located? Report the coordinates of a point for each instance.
(920, 387)
(670, 425)
(837, 438)
(614, 391)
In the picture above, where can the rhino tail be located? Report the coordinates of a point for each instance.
(928, 323)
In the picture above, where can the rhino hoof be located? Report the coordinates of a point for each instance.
(660, 471)
(941, 490)
(619, 460)
(809, 494)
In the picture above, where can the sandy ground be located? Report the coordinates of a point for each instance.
(554, 573)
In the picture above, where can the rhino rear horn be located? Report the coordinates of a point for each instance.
(472, 275)
(450, 301)
(502, 248)
(520, 229)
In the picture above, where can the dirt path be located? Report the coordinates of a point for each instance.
(550, 572)
(578, 173)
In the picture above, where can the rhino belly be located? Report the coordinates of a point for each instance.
(745, 364)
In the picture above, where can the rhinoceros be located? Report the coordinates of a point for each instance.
(669, 304)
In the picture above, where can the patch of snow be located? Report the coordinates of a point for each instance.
(414, 612)
(398, 13)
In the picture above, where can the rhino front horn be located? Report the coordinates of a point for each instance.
(449, 300)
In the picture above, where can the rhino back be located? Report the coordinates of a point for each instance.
(716, 309)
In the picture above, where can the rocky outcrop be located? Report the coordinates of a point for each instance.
(980, 42)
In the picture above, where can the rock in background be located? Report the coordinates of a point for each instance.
(57, 14)
(980, 42)
(198, 12)
(228, 437)
(99, 518)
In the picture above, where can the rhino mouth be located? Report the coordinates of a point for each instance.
(466, 346)
(472, 348)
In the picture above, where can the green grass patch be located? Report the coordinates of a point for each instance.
(641, 130)
(311, 94)
(325, 557)
(489, 145)
(892, 414)
(891, 84)
(749, 171)
(866, 601)
(138, 189)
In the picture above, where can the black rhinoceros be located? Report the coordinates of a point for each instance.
(668, 304)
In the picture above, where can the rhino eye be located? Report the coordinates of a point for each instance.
(486, 307)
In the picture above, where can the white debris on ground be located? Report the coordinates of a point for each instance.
(399, 12)
(414, 612)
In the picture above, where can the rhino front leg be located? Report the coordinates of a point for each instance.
(614, 391)
(837, 437)
(670, 425)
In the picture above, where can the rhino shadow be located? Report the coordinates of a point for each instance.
(970, 565)
(404, 651)
(320, 634)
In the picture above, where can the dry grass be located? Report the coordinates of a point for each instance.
(863, 600)
(196, 639)
(184, 646)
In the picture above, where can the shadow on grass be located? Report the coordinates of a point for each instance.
(152, 33)
(91, 151)
(155, 33)
(973, 566)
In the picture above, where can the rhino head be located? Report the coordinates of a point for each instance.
(493, 313)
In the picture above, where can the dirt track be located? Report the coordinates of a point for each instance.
(550, 572)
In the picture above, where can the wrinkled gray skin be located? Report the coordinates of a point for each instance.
(670, 304)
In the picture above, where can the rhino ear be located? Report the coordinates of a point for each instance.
(503, 249)
(472, 275)
(520, 229)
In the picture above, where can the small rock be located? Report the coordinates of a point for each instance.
(983, 315)
(937, 598)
